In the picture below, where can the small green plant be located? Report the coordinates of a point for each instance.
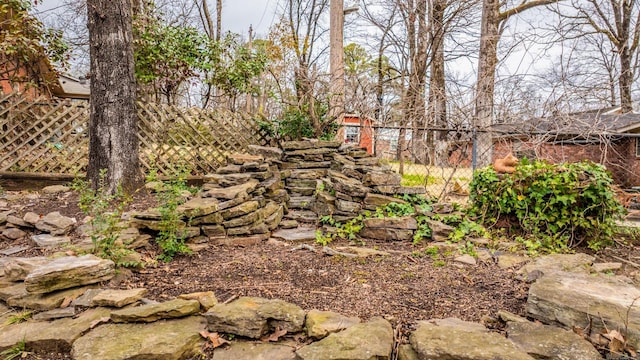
(423, 231)
(171, 238)
(347, 231)
(469, 249)
(323, 239)
(19, 317)
(19, 350)
(105, 211)
(431, 251)
(465, 228)
(439, 263)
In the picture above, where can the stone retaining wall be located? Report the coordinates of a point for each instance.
(251, 195)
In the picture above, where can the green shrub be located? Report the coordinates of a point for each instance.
(171, 238)
(105, 211)
(551, 207)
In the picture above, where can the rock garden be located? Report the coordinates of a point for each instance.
(316, 251)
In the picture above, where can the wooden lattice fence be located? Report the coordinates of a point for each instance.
(51, 136)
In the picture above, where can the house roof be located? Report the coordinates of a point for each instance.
(603, 121)
(71, 87)
(58, 84)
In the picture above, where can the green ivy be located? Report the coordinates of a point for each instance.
(552, 207)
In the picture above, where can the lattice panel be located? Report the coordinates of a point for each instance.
(46, 136)
(43, 136)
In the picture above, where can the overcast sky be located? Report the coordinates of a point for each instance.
(237, 15)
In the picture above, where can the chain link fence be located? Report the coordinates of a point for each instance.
(444, 160)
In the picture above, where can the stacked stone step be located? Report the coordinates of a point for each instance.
(251, 199)
(358, 182)
(304, 165)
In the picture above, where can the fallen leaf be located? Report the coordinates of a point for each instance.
(616, 343)
(578, 330)
(631, 351)
(275, 336)
(99, 321)
(215, 338)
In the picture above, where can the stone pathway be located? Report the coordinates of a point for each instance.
(73, 316)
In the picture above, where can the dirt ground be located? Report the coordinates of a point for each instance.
(403, 287)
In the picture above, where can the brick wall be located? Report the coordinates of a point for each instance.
(619, 158)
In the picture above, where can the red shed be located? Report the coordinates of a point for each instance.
(357, 130)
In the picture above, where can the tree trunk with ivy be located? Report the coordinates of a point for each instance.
(113, 124)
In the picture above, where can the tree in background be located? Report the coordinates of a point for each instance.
(113, 125)
(616, 22)
(166, 56)
(493, 19)
(25, 43)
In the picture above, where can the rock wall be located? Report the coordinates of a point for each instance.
(331, 178)
(240, 204)
(249, 197)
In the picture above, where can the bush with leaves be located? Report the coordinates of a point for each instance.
(105, 211)
(171, 238)
(552, 207)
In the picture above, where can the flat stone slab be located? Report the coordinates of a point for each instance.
(207, 299)
(57, 336)
(67, 272)
(44, 302)
(176, 308)
(575, 299)
(362, 252)
(549, 342)
(13, 233)
(457, 339)
(253, 317)
(162, 340)
(403, 223)
(372, 340)
(319, 324)
(231, 192)
(12, 289)
(56, 223)
(55, 314)
(17, 269)
(48, 240)
(55, 189)
(297, 234)
(255, 351)
(14, 250)
(579, 263)
(198, 207)
(118, 298)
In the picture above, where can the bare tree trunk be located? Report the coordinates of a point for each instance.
(626, 79)
(336, 59)
(418, 37)
(113, 125)
(208, 21)
(437, 111)
(487, 62)
(249, 95)
(492, 18)
(218, 20)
